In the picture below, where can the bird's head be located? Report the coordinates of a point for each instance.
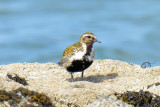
(88, 38)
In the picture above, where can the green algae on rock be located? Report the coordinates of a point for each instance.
(18, 79)
(8, 96)
(141, 98)
(16, 96)
(35, 97)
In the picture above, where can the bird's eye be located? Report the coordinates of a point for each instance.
(89, 36)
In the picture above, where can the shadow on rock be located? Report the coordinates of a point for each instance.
(98, 78)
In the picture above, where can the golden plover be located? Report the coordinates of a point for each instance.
(79, 56)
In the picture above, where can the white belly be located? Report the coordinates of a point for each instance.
(80, 55)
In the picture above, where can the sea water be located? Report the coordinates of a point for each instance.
(40, 30)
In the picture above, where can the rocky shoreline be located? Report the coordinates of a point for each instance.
(35, 84)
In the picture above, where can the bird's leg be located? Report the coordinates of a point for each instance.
(72, 77)
(82, 74)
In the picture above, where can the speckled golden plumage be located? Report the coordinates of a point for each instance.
(69, 51)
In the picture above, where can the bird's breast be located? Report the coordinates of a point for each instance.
(90, 56)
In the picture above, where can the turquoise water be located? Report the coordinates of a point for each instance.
(39, 30)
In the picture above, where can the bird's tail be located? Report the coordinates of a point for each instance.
(60, 63)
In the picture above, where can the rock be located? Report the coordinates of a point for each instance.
(101, 81)
(108, 101)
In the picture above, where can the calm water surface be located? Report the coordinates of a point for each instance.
(39, 31)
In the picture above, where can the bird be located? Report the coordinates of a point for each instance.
(79, 56)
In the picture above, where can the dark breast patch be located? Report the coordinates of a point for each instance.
(79, 65)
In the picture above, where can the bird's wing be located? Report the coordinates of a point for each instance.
(69, 51)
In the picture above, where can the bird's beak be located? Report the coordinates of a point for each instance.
(95, 40)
